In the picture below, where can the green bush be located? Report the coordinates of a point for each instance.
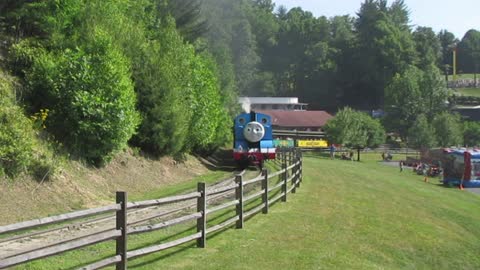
(43, 166)
(16, 134)
(90, 96)
(165, 93)
(16, 140)
(179, 96)
(206, 106)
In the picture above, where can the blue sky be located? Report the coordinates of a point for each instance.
(457, 16)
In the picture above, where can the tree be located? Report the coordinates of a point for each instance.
(434, 92)
(422, 134)
(448, 129)
(471, 133)
(403, 101)
(189, 20)
(412, 93)
(469, 52)
(232, 43)
(384, 48)
(264, 25)
(306, 65)
(447, 43)
(427, 46)
(165, 91)
(207, 120)
(354, 129)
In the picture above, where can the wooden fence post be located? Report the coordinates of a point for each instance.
(239, 197)
(202, 221)
(294, 172)
(301, 169)
(121, 224)
(265, 191)
(284, 179)
(289, 157)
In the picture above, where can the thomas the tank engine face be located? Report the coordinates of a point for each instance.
(253, 132)
(253, 138)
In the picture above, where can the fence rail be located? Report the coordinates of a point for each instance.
(291, 173)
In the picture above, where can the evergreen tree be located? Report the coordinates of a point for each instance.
(188, 17)
(428, 47)
(385, 47)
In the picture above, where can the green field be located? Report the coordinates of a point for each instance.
(463, 76)
(475, 92)
(347, 215)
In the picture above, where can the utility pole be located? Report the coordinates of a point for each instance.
(455, 63)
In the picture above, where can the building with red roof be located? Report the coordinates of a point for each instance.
(298, 120)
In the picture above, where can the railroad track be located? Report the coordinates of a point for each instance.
(20, 244)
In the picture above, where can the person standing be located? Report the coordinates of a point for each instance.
(332, 151)
(401, 166)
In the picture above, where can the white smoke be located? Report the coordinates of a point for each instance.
(246, 105)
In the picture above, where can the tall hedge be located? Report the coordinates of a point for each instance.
(90, 95)
(207, 121)
(164, 93)
(94, 59)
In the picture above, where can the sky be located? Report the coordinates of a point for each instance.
(456, 16)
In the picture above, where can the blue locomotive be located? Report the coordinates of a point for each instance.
(253, 138)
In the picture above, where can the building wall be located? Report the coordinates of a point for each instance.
(285, 107)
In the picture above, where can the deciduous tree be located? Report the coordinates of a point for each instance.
(422, 134)
(448, 129)
(355, 129)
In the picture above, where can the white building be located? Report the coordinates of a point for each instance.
(272, 103)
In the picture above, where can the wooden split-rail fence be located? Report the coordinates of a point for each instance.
(288, 179)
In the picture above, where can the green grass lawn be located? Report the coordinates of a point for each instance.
(475, 92)
(346, 215)
(463, 76)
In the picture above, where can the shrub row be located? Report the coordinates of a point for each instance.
(102, 73)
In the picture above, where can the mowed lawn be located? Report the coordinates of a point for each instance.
(348, 215)
(463, 76)
(475, 92)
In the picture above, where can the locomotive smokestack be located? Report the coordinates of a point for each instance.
(246, 105)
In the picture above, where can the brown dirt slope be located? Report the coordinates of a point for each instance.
(79, 186)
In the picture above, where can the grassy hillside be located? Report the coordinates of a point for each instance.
(347, 215)
(351, 216)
